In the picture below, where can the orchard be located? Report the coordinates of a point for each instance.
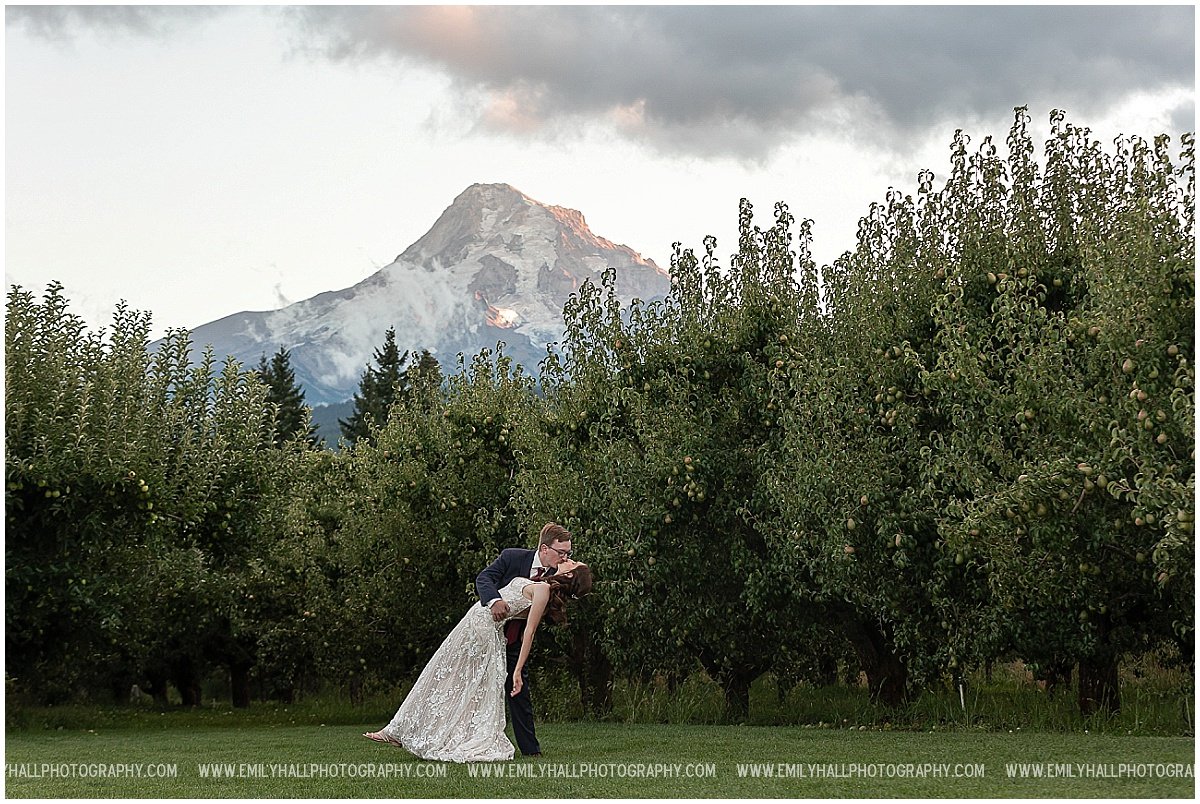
(969, 440)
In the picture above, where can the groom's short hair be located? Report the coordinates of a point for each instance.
(552, 533)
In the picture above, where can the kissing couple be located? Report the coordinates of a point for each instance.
(455, 711)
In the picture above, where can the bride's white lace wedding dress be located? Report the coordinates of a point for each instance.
(455, 711)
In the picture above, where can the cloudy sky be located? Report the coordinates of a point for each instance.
(198, 161)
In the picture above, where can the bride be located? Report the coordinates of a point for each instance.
(455, 711)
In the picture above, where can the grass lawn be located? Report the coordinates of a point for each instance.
(604, 760)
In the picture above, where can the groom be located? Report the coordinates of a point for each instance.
(554, 545)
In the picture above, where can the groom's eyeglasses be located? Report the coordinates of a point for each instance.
(563, 553)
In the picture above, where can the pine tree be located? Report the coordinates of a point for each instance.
(385, 384)
(293, 418)
(377, 391)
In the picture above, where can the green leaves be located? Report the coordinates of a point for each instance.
(968, 437)
(120, 458)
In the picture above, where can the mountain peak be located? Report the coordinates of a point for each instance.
(491, 196)
(499, 195)
(496, 265)
(493, 188)
(473, 215)
(483, 212)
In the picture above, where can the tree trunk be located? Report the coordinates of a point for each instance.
(784, 684)
(356, 690)
(826, 670)
(121, 689)
(186, 681)
(190, 694)
(239, 685)
(1098, 686)
(1056, 675)
(887, 676)
(1098, 683)
(593, 672)
(735, 682)
(157, 687)
(737, 697)
(600, 686)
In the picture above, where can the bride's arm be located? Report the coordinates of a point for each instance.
(541, 594)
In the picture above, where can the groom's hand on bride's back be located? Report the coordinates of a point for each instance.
(499, 610)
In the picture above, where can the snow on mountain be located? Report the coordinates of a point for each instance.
(496, 265)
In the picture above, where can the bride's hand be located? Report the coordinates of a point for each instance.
(517, 683)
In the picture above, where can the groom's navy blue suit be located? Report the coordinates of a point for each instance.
(513, 562)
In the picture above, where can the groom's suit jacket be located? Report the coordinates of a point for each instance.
(513, 562)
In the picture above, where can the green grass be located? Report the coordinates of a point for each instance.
(1155, 702)
(1161, 704)
(1005, 719)
(999, 706)
(578, 753)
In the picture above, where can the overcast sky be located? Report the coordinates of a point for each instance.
(199, 161)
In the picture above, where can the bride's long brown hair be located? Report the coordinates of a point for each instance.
(563, 588)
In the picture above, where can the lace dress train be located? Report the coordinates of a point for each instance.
(455, 711)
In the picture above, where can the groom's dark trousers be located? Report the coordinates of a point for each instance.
(512, 563)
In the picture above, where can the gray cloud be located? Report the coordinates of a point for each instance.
(732, 80)
(739, 80)
(62, 23)
(1183, 118)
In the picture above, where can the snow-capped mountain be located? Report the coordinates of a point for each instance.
(496, 265)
